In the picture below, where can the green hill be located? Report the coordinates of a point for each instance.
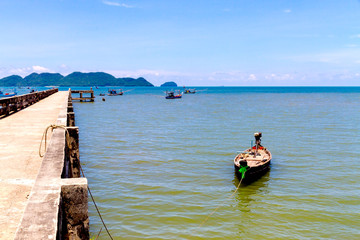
(88, 79)
(73, 79)
(43, 79)
(11, 81)
(169, 84)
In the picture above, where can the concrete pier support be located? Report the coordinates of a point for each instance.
(72, 156)
(75, 219)
(71, 119)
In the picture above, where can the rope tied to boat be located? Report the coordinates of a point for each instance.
(222, 204)
(243, 170)
(44, 136)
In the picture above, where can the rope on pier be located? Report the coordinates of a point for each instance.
(222, 204)
(52, 127)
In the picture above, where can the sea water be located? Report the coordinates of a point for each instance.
(157, 168)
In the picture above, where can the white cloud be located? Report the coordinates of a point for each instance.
(241, 78)
(287, 11)
(355, 36)
(19, 71)
(252, 77)
(23, 71)
(40, 69)
(116, 4)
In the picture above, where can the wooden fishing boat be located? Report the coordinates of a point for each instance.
(113, 92)
(189, 91)
(173, 95)
(253, 162)
(11, 94)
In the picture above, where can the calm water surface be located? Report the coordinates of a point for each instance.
(159, 167)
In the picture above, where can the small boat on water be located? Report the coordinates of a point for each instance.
(11, 94)
(113, 92)
(253, 162)
(102, 94)
(189, 91)
(173, 95)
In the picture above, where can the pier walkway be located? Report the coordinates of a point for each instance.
(21, 134)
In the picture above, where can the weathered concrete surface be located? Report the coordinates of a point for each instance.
(40, 218)
(19, 158)
(75, 208)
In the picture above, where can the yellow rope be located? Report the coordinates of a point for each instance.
(52, 127)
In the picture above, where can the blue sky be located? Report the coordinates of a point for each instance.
(194, 43)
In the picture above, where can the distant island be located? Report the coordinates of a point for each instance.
(73, 79)
(169, 84)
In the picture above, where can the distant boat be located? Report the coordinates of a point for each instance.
(188, 91)
(11, 94)
(102, 94)
(173, 95)
(113, 92)
(253, 162)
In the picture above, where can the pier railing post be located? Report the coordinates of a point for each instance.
(70, 108)
(74, 200)
(70, 119)
(72, 157)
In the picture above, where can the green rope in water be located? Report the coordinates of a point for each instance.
(242, 170)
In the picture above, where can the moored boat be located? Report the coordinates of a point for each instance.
(188, 91)
(113, 92)
(253, 162)
(173, 95)
(11, 94)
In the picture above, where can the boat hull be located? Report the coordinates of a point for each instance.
(257, 163)
(175, 97)
(253, 173)
(7, 95)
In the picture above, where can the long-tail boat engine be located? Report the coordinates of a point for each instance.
(258, 136)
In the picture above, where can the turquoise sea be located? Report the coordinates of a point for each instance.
(158, 167)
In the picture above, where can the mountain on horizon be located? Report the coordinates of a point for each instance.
(73, 79)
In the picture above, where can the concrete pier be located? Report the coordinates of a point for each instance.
(31, 186)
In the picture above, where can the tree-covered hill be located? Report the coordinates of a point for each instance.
(169, 84)
(73, 79)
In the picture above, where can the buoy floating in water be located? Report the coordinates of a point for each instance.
(103, 99)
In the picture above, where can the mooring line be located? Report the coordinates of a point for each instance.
(98, 234)
(220, 205)
(53, 126)
(97, 209)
